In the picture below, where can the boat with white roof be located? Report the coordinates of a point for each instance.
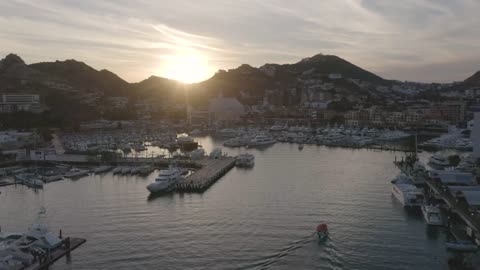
(166, 180)
(408, 194)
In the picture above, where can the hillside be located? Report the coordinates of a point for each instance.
(77, 91)
(84, 78)
(473, 81)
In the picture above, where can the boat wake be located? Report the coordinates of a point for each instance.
(268, 261)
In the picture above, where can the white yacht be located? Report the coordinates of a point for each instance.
(408, 194)
(166, 180)
(245, 160)
(439, 160)
(432, 215)
(260, 140)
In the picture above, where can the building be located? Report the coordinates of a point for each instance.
(10, 103)
(449, 112)
(225, 109)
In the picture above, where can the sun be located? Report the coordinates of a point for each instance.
(186, 67)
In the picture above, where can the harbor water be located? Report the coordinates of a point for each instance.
(260, 218)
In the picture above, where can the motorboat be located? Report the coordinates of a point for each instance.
(260, 140)
(408, 194)
(102, 169)
(432, 215)
(235, 142)
(439, 160)
(322, 232)
(245, 160)
(401, 178)
(117, 170)
(300, 146)
(29, 180)
(76, 173)
(166, 180)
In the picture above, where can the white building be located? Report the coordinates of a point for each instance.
(225, 109)
(13, 103)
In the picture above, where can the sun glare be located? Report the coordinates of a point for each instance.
(186, 68)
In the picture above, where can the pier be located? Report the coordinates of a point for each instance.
(471, 219)
(211, 170)
(460, 208)
(68, 245)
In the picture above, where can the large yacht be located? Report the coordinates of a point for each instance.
(260, 140)
(408, 194)
(432, 215)
(166, 180)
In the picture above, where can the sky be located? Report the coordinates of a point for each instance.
(189, 40)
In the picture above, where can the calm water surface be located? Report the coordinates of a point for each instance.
(261, 218)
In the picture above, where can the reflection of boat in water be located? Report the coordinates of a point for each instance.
(462, 245)
(322, 232)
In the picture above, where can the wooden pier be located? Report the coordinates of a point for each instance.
(211, 170)
(67, 246)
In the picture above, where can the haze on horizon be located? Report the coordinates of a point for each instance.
(416, 40)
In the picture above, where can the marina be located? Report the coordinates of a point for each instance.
(315, 195)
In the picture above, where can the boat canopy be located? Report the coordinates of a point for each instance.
(322, 227)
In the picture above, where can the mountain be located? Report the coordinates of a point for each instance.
(472, 81)
(64, 85)
(249, 84)
(84, 78)
(12, 68)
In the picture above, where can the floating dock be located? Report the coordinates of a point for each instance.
(68, 245)
(211, 170)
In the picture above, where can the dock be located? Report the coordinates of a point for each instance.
(211, 170)
(470, 218)
(68, 245)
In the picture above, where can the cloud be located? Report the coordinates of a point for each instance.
(426, 40)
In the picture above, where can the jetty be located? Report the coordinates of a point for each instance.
(68, 245)
(210, 171)
(470, 217)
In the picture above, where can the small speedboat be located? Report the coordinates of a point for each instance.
(322, 232)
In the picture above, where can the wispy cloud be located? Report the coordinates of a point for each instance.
(427, 40)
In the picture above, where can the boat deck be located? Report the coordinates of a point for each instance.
(209, 173)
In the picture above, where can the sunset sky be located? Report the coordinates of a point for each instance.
(421, 40)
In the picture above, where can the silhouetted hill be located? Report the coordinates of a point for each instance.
(473, 81)
(84, 78)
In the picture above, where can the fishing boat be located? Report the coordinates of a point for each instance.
(322, 232)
